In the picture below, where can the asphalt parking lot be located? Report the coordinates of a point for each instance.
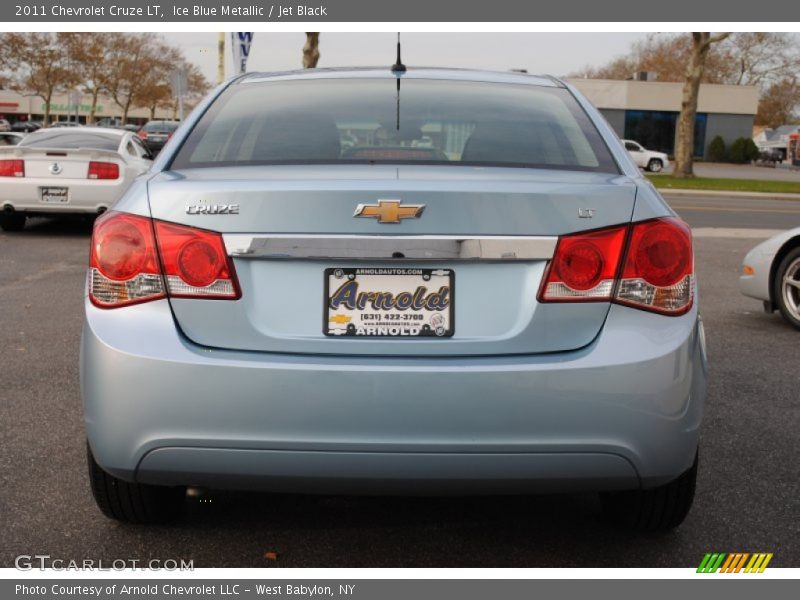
(746, 500)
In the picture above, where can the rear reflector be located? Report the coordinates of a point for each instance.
(12, 168)
(134, 259)
(103, 170)
(655, 274)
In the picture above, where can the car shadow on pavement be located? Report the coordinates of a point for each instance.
(343, 531)
(57, 227)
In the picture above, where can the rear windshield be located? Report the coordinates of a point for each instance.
(368, 121)
(70, 140)
(161, 126)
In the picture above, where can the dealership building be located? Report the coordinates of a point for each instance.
(15, 106)
(647, 111)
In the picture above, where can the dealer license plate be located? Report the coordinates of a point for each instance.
(389, 302)
(55, 195)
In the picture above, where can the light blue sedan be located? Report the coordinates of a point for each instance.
(393, 282)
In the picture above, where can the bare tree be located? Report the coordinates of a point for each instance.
(311, 51)
(763, 59)
(666, 55)
(134, 69)
(684, 140)
(89, 54)
(156, 90)
(39, 64)
(779, 106)
(197, 85)
(133, 55)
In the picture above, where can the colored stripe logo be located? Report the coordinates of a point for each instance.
(737, 562)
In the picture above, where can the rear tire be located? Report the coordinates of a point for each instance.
(786, 287)
(656, 510)
(133, 502)
(655, 165)
(12, 222)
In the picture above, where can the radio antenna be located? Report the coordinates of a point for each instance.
(398, 66)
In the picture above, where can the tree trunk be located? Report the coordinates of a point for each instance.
(93, 110)
(684, 139)
(311, 51)
(48, 98)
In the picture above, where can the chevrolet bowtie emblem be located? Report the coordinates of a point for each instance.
(389, 211)
(340, 319)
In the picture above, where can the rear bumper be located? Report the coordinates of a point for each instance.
(623, 412)
(85, 195)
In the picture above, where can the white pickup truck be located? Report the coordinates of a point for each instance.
(646, 159)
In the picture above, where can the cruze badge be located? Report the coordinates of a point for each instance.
(389, 211)
(212, 209)
(55, 168)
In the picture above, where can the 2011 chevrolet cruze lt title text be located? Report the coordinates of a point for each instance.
(375, 281)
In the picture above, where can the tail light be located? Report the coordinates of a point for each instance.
(134, 259)
(585, 266)
(655, 272)
(123, 264)
(103, 170)
(12, 168)
(658, 274)
(195, 262)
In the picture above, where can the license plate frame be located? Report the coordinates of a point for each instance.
(418, 320)
(61, 193)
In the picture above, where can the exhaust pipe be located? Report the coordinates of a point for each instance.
(101, 210)
(8, 209)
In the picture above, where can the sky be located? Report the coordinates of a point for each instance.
(551, 53)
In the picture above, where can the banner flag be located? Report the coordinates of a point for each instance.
(240, 45)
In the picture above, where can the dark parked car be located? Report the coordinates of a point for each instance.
(26, 126)
(156, 133)
(771, 156)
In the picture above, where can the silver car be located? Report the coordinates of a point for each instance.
(477, 294)
(771, 273)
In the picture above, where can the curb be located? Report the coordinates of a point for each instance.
(734, 233)
(731, 194)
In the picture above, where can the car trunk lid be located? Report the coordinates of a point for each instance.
(285, 226)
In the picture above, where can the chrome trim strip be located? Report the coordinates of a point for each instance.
(388, 247)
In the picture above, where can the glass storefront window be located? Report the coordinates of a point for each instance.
(655, 130)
